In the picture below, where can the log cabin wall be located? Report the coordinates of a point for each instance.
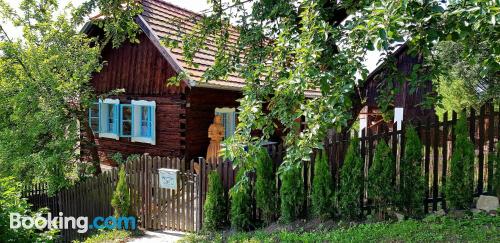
(200, 114)
(142, 72)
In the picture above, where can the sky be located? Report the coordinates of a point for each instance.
(193, 5)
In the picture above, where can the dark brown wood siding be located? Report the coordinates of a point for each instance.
(139, 69)
(200, 114)
(142, 72)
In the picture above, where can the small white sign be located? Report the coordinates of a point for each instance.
(168, 178)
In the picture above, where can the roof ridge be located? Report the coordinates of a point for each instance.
(165, 2)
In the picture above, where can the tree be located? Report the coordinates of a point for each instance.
(412, 183)
(496, 178)
(460, 185)
(323, 202)
(121, 196)
(381, 187)
(265, 186)
(44, 86)
(285, 49)
(291, 194)
(241, 202)
(351, 182)
(215, 206)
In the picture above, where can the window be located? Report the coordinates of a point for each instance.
(114, 120)
(144, 121)
(229, 120)
(126, 118)
(109, 118)
(94, 117)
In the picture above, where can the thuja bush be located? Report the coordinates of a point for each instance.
(351, 182)
(215, 205)
(121, 197)
(381, 186)
(291, 193)
(265, 186)
(412, 183)
(241, 202)
(460, 185)
(322, 191)
(496, 178)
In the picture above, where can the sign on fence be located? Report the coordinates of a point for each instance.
(168, 178)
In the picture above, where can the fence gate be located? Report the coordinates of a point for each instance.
(158, 208)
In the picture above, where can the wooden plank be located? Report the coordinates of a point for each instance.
(480, 175)
(435, 167)
(491, 144)
(444, 158)
(363, 167)
(427, 161)
(169, 202)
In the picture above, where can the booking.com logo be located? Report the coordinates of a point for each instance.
(81, 224)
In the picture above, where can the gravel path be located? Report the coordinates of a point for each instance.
(158, 236)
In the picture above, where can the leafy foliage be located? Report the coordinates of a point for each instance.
(323, 194)
(291, 194)
(45, 90)
(460, 185)
(412, 183)
(265, 186)
(351, 182)
(241, 202)
(215, 204)
(381, 187)
(293, 47)
(11, 202)
(121, 196)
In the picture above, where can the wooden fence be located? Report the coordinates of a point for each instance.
(437, 139)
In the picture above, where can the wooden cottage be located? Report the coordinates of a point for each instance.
(151, 116)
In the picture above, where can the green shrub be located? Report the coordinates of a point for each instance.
(496, 164)
(412, 183)
(121, 196)
(322, 188)
(460, 185)
(381, 179)
(215, 205)
(351, 182)
(291, 193)
(265, 187)
(241, 202)
(11, 202)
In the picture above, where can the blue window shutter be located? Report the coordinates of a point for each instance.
(116, 119)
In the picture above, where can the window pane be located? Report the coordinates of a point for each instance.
(94, 124)
(127, 128)
(94, 110)
(127, 113)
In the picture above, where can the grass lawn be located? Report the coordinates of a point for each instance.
(477, 228)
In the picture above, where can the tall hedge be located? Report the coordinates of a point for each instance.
(241, 213)
(265, 186)
(351, 182)
(322, 188)
(121, 196)
(412, 183)
(381, 188)
(291, 193)
(460, 184)
(215, 205)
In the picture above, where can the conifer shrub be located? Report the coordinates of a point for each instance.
(265, 187)
(496, 178)
(381, 188)
(460, 184)
(241, 202)
(121, 196)
(351, 182)
(412, 183)
(215, 205)
(291, 193)
(322, 190)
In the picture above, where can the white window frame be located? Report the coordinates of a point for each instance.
(136, 107)
(103, 108)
